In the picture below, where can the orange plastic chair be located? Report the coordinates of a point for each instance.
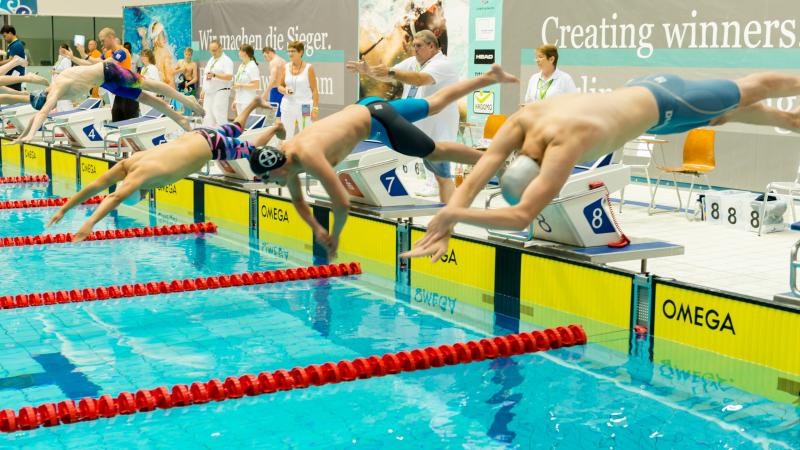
(493, 123)
(698, 160)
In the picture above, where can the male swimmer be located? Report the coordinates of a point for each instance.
(166, 164)
(325, 143)
(553, 135)
(75, 82)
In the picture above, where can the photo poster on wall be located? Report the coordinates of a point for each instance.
(485, 37)
(22, 7)
(603, 45)
(327, 28)
(386, 29)
(164, 29)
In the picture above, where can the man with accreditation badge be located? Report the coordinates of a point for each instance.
(217, 86)
(428, 71)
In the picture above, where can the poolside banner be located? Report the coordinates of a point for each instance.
(485, 49)
(21, 7)
(603, 44)
(164, 29)
(386, 28)
(326, 29)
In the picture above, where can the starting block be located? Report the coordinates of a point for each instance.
(376, 187)
(81, 126)
(19, 115)
(140, 133)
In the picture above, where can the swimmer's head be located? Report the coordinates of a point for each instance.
(266, 162)
(38, 100)
(517, 177)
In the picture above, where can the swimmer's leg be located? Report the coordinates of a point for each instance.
(445, 96)
(455, 152)
(10, 99)
(763, 85)
(759, 114)
(161, 105)
(167, 91)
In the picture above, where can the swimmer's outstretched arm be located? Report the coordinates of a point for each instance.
(317, 166)
(39, 117)
(110, 203)
(299, 202)
(112, 176)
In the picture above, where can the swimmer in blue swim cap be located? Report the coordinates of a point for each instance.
(552, 136)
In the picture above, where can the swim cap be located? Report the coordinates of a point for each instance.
(517, 177)
(38, 100)
(264, 159)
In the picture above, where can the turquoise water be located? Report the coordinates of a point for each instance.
(583, 397)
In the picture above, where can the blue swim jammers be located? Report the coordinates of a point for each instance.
(688, 104)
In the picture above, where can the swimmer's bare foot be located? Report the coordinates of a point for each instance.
(280, 131)
(196, 107)
(21, 140)
(499, 75)
(261, 102)
(185, 124)
(20, 61)
(721, 120)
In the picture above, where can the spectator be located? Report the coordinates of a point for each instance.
(149, 70)
(14, 47)
(300, 104)
(276, 69)
(549, 81)
(136, 62)
(247, 79)
(428, 71)
(217, 86)
(62, 64)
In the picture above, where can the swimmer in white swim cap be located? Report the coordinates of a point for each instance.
(553, 135)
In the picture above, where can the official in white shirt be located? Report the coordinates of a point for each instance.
(62, 64)
(247, 79)
(423, 74)
(218, 79)
(549, 81)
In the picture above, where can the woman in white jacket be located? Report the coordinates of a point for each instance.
(549, 81)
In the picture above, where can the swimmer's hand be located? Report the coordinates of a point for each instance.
(436, 239)
(55, 219)
(327, 241)
(82, 234)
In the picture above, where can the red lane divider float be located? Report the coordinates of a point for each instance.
(25, 179)
(124, 233)
(166, 287)
(67, 411)
(45, 202)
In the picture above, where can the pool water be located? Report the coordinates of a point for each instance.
(580, 397)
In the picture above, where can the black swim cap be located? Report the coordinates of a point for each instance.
(264, 159)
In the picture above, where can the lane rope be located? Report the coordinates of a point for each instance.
(25, 179)
(180, 395)
(183, 285)
(45, 202)
(104, 235)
